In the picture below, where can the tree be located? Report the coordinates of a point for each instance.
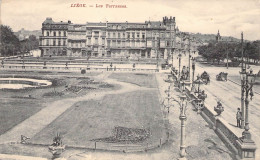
(9, 43)
(30, 43)
(213, 51)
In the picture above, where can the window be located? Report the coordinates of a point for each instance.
(96, 40)
(113, 43)
(64, 33)
(128, 35)
(54, 42)
(143, 35)
(96, 34)
(114, 35)
(59, 43)
(133, 35)
(118, 35)
(167, 43)
(54, 33)
(48, 34)
(64, 43)
(59, 33)
(137, 35)
(89, 41)
(47, 43)
(108, 34)
(162, 35)
(103, 41)
(108, 43)
(118, 43)
(123, 35)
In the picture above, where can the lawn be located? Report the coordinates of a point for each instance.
(16, 105)
(141, 79)
(89, 121)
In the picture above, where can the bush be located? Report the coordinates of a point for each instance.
(83, 71)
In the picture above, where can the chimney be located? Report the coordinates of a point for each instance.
(69, 21)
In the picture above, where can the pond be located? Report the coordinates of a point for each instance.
(21, 83)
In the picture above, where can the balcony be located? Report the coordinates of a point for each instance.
(50, 37)
(52, 46)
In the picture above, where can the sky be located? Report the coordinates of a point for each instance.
(230, 17)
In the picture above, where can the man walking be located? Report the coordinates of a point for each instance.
(239, 117)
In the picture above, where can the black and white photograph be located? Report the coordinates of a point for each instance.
(129, 80)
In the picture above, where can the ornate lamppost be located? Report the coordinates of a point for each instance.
(183, 118)
(189, 61)
(197, 83)
(179, 57)
(247, 145)
(243, 71)
(183, 105)
(193, 72)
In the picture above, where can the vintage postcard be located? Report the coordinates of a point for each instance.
(129, 79)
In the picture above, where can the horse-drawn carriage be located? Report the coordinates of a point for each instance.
(205, 77)
(222, 76)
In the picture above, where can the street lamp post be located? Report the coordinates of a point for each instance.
(243, 71)
(248, 80)
(183, 118)
(247, 145)
(197, 83)
(179, 56)
(189, 61)
(193, 72)
(183, 105)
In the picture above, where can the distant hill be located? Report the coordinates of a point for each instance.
(206, 38)
(24, 34)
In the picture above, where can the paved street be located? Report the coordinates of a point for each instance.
(229, 93)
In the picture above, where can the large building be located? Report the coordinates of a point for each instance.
(151, 39)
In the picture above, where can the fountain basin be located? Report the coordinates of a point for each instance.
(21, 83)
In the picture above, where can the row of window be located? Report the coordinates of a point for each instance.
(56, 34)
(54, 43)
(118, 35)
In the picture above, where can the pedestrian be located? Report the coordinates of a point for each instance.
(239, 117)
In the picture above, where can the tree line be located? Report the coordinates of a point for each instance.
(216, 52)
(10, 44)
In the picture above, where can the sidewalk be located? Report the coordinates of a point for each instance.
(201, 141)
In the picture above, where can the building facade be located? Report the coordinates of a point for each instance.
(151, 39)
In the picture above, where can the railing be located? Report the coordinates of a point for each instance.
(226, 132)
(78, 68)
